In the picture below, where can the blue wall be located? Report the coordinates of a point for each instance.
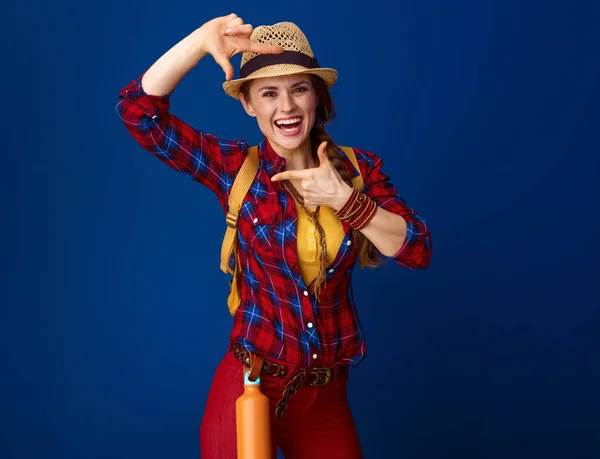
(112, 305)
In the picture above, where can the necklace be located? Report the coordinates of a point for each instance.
(321, 279)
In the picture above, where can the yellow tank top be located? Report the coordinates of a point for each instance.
(308, 241)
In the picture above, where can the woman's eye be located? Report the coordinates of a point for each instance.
(301, 89)
(268, 94)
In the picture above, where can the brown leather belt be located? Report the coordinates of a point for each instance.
(314, 377)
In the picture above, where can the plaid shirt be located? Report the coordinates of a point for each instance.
(278, 315)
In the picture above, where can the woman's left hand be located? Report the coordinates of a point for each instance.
(320, 186)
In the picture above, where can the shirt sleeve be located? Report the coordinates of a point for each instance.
(416, 249)
(196, 154)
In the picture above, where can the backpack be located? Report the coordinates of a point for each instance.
(241, 185)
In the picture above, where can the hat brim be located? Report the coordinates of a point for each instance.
(232, 87)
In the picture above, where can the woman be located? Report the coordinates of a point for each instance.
(301, 228)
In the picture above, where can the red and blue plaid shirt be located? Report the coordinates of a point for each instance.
(278, 315)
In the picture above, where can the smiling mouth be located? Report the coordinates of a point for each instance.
(289, 126)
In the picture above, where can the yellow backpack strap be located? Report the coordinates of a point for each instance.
(240, 187)
(357, 182)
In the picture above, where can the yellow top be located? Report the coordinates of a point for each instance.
(308, 240)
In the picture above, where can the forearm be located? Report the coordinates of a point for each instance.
(166, 73)
(387, 232)
(398, 233)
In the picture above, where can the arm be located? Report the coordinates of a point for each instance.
(221, 37)
(144, 104)
(395, 229)
(193, 153)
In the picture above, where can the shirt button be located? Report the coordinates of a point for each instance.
(349, 242)
(305, 293)
(255, 221)
(315, 356)
(331, 270)
(311, 240)
(310, 325)
(311, 230)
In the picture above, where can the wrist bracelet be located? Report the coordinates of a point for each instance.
(358, 210)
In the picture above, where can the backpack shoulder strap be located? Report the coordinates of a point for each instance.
(240, 187)
(357, 182)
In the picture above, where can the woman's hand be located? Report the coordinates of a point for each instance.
(319, 186)
(227, 36)
(221, 37)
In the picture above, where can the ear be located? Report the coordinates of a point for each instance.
(247, 106)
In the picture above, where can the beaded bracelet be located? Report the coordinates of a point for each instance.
(358, 210)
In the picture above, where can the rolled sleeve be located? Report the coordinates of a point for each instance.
(416, 250)
(196, 154)
(151, 106)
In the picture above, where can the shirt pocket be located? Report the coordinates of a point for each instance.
(259, 223)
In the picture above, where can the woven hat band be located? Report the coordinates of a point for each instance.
(287, 57)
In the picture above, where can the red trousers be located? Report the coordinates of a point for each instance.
(317, 423)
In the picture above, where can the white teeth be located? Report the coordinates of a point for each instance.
(290, 121)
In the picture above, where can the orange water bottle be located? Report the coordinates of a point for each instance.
(253, 422)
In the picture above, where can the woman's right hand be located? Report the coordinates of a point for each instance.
(227, 36)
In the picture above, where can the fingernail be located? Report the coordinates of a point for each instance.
(228, 31)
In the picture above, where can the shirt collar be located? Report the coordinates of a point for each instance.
(272, 162)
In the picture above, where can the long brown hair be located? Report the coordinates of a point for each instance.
(325, 113)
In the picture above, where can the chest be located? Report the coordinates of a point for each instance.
(275, 232)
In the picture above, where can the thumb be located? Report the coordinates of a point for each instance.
(225, 65)
(322, 154)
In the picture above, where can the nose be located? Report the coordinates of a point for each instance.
(287, 102)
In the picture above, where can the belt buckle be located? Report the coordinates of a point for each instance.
(318, 380)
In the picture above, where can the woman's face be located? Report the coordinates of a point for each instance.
(284, 108)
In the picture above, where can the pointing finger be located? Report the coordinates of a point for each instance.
(289, 175)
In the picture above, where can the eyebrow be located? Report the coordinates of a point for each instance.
(271, 88)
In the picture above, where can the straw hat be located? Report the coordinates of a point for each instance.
(296, 58)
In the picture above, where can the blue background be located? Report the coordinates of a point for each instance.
(112, 305)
